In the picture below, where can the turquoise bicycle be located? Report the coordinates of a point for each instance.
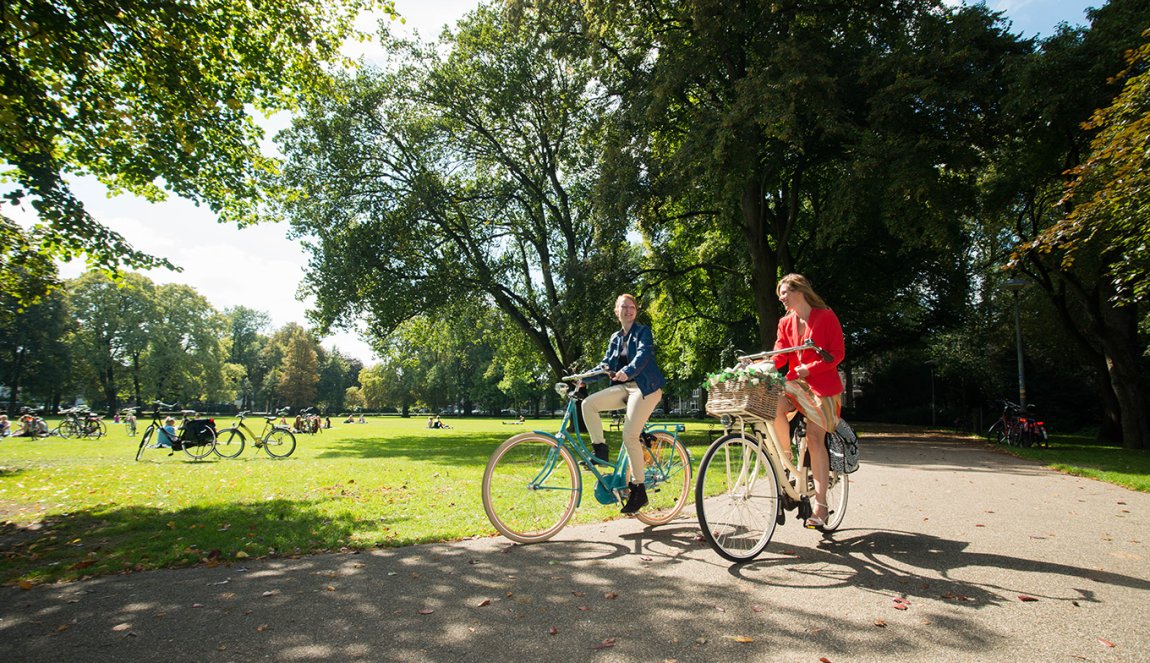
(532, 484)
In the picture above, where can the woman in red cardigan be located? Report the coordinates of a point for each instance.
(813, 384)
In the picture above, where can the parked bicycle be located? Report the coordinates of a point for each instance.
(195, 437)
(745, 482)
(532, 484)
(129, 419)
(1018, 427)
(276, 439)
(81, 422)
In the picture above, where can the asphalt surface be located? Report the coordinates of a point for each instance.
(949, 552)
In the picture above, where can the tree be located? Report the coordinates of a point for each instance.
(34, 356)
(151, 97)
(462, 172)
(842, 140)
(247, 342)
(1056, 94)
(1109, 197)
(299, 370)
(112, 330)
(186, 357)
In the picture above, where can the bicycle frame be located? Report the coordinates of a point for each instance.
(608, 486)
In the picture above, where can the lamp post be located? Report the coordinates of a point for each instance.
(1014, 285)
(932, 363)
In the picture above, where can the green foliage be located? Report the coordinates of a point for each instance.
(152, 97)
(461, 172)
(1110, 195)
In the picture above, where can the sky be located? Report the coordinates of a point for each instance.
(258, 267)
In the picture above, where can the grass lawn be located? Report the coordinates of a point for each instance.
(71, 508)
(1082, 456)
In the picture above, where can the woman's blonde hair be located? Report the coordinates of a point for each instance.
(628, 297)
(800, 283)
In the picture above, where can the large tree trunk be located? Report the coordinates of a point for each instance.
(764, 262)
(1120, 345)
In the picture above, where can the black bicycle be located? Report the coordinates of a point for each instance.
(195, 437)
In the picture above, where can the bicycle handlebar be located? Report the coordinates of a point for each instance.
(598, 370)
(808, 345)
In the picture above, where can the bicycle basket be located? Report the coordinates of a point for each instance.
(198, 431)
(740, 397)
(843, 448)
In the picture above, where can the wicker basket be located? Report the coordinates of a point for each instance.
(740, 397)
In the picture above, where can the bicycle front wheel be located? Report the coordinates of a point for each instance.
(837, 489)
(280, 443)
(668, 478)
(230, 443)
(66, 429)
(737, 497)
(201, 450)
(145, 442)
(530, 488)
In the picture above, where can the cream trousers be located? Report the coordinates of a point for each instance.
(639, 409)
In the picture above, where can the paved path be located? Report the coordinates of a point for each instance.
(956, 532)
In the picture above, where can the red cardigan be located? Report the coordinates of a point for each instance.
(824, 328)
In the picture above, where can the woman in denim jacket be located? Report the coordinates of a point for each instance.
(637, 386)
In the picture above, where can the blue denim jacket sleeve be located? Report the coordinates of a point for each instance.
(642, 367)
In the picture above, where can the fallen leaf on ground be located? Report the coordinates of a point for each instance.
(610, 596)
(583, 608)
(125, 626)
(824, 659)
(720, 608)
(552, 631)
(606, 644)
(742, 638)
(484, 602)
(900, 606)
(271, 592)
(262, 627)
(1106, 642)
(426, 611)
(1025, 598)
(881, 623)
(757, 608)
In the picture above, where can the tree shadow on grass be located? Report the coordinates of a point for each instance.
(106, 540)
(453, 449)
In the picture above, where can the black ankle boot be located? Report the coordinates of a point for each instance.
(601, 452)
(637, 499)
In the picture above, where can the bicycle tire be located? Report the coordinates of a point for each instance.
(279, 443)
(201, 450)
(66, 429)
(838, 489)
(531, 486)
(737, 497)
(230, 443)
(145, 442)
(994, 433)
(667, 477)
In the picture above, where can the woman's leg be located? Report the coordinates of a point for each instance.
(611, 398)
(782, 426)
(639, 409)
(820, 467)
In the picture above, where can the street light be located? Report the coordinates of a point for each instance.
(1014, 285)
(932, 363)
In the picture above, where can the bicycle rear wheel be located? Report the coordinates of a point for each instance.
(737, 497)
(531, 486)
(201, 450)
(279, 443)
(66, 429)
(229, 443)
(668, 478)
(837, 490)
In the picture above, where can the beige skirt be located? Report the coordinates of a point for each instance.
(822, 410)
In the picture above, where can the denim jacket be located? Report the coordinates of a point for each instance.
(641, 366)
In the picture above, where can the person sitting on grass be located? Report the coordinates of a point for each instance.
(167, 434)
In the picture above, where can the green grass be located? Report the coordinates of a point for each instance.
(1082, 456)
(72, 508)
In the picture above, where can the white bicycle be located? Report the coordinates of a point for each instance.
(745, 483)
